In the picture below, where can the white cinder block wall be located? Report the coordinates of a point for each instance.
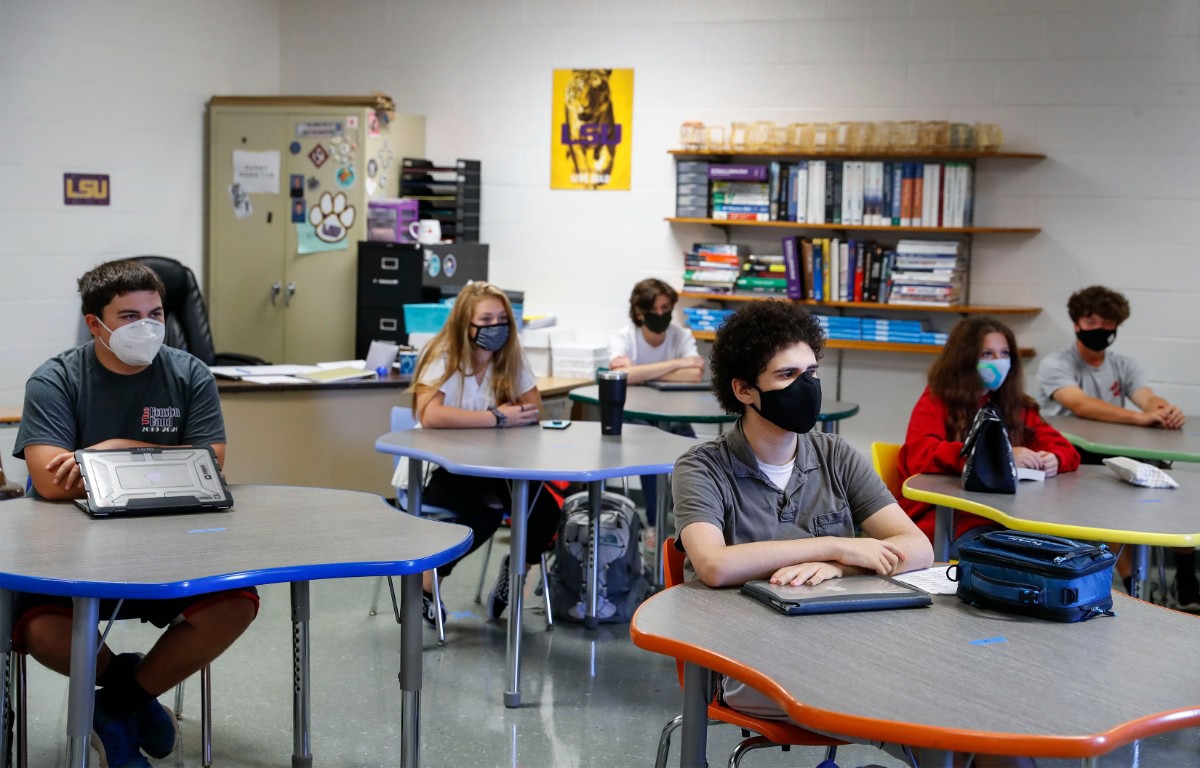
(1110, 90)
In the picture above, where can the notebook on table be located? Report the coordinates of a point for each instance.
(151, 481)
(852, 593)
(679, 386)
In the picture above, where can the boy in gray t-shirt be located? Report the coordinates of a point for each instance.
(124, 390)
(1088, 381)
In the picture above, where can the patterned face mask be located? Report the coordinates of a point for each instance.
(993, 372)
(491, 337)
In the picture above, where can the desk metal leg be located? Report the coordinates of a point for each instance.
(660, 527)
(1137, 584)
(516, 589)
(934, 758)
(6, 672)
(595, 503)
(301, 710)
(943, 533)
(697, 687)
(81, 696)
(410, 671)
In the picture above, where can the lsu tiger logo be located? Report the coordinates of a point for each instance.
(590, 133)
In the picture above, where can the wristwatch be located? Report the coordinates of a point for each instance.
(501, 419)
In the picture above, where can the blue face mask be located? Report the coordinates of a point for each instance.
(993, 372)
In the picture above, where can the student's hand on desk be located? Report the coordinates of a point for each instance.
(620, 361)
(811, 574)
(1049, 463)
(1027, 458)
(66, 471)
(882, 557)
(1169, 417)
(520, 414)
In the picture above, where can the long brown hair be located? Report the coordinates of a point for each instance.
(954, 379)
(454, 344)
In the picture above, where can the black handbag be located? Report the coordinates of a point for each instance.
(990, 466)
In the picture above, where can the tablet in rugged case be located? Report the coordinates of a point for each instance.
(151, 481)
(852, 593)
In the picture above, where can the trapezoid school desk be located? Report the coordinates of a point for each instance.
(1090, 503)
(318, 434)
(1001, 683)
(577, 454)
(1146, 443)
(273, 534)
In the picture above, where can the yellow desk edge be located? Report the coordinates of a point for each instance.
(1054, 529)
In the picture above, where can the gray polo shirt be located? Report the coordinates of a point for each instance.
(1118, 377)
(832, 489)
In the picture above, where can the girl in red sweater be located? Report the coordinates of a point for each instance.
(979, 362)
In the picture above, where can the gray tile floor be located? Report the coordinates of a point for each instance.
(590, 698)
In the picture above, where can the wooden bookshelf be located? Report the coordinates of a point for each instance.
(860, 228)
(929, 154)
(975, 309)
(872, 346)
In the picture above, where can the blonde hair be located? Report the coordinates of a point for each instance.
(454, 344)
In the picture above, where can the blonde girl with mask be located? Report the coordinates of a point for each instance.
(472, 374)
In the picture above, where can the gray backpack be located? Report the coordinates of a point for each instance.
(623, 578)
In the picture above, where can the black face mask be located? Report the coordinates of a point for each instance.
(794, 408)
(1097, 339)
(656, 323)
(491, 337)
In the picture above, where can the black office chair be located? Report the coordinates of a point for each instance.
(187, 316)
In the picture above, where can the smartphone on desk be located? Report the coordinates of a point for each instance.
(556, 424)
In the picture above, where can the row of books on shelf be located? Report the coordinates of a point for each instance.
(912, 272)
(850, 192)
(836, 327)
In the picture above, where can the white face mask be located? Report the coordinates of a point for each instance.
(136, 343)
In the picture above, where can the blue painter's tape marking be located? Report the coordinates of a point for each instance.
(205, 530)
(989, 640)
(1149, 501)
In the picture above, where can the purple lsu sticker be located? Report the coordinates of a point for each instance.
(85, 189)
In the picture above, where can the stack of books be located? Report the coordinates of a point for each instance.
(901, 331)
(706, 319)
(927, 272)
(713, 267)
(843, 328)
(740, 192)
(763, 273)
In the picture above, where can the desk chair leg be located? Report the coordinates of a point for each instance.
(375, 596)
(301, 704)
(665, 503)
(546, 594)
(437, 608)
(943, 533)
(15, 685)
(664, 741)
(21, 704)
(487, 558)
(206, 715)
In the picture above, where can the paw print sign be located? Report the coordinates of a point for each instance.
(331, 217)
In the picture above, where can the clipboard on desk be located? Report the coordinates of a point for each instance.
(844, 595)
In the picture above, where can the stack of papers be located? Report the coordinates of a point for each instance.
(340, 370)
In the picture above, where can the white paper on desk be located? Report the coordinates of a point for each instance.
(1028, 473)
(273, 380)
(932, 580)
(242, 371)
(359, 364)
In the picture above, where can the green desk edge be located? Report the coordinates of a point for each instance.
(1132, 452)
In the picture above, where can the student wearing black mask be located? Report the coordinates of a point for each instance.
(1088, 381)
(772, 499)
(651, 347)
(1091, 382)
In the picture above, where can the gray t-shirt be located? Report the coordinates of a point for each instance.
(832, 489)
(1117, 378)
(73, 401)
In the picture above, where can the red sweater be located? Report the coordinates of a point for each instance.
(927, 449)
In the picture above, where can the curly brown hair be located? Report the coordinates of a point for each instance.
(749, 339)
(645, 293)
(954, 379)
(1098, 300)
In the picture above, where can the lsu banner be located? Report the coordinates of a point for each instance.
(591, 129)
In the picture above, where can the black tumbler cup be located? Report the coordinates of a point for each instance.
(613, 385)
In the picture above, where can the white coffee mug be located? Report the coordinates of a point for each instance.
(426, 231)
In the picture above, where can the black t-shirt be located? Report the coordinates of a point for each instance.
(73, 401)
